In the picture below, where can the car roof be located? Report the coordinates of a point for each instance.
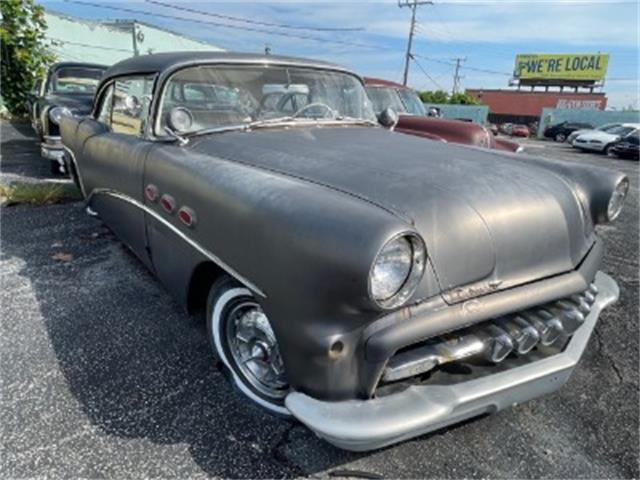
(59, 65)
(631, 125)
(379, 82)
(159, 62)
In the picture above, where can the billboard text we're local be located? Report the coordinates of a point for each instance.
(586, 67)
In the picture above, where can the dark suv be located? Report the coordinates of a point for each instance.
(561, 131)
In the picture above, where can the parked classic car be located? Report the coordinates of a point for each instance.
(628, 147)
(374, 285)
(604, 142)
(67, 90)
(519, 130)
(415, 120)
(560, 131)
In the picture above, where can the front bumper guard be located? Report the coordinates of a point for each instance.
(361, 425)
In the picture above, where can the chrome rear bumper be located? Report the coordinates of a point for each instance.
(361, 425)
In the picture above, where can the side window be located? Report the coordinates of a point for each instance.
(131, 99)
(104, 113)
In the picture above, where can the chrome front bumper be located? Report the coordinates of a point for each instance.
(52, 149)
(361, 425)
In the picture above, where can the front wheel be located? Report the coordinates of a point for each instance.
(560, 137)
(608, 150)
(242, 338)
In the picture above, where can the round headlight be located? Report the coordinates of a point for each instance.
(56, 113)
(617, 199)
(397, 270)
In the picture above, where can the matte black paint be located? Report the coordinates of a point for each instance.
(302, 212)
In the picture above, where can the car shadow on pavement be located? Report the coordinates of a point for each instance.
(138, 366)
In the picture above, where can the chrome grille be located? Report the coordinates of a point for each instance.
(517, 333)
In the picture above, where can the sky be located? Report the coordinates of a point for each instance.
(373, 37)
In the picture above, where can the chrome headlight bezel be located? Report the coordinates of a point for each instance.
(617, 199)
(56, 113)
(416, 270)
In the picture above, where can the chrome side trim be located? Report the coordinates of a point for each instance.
(214, 258)
(361, 425)
(72, 158)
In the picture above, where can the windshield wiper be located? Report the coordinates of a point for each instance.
(239, 127)
(277, 121)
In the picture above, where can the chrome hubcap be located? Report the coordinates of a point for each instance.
(254, 349)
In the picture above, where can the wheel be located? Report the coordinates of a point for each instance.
(560, 137)
(242, 338)
(608, 150)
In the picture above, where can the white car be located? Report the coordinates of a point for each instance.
(602, 128)
(599, 141)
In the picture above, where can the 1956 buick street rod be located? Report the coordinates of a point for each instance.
(374, 285)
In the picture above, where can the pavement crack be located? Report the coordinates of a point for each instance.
(280, 457)
(609, 358)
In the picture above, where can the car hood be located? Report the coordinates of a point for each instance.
(77, 103)
(489, 220)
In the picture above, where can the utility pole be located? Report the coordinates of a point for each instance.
(413, 4)
(456, 75)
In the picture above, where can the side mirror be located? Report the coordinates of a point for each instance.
(179, 120)
(388, 118)
(132, 105)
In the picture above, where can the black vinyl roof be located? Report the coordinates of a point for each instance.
(59, 65)
(160, 62)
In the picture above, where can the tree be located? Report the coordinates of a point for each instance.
(440, 96)
(24, 55)
(463, 99)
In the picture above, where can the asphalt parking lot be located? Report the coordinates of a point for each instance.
(103, 375)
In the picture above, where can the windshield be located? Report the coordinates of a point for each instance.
(608, 126)
(412, 101)
(75, 80)
(621, 131)
(385, 97)
(212, 97)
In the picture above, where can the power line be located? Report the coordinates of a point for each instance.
(89, 45)
(426, 74)
(254, 22)
(226, 25)
(466, 67)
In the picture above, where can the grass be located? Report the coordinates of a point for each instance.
(37, 193)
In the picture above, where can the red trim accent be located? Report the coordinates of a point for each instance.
(187, 216)
(168, 203)
(151, 192)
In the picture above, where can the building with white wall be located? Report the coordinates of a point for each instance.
(107, 42)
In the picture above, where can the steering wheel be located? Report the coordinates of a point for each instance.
(329, 110)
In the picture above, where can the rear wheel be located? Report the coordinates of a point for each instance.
(243, 339)
(560, 137)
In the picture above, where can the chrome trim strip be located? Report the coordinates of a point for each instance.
(72, 158)
(214, 258)
(361, 425)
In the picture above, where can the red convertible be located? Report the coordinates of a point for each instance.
(414, 120)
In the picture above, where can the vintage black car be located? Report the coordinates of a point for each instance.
(374, 285)
(68, 89)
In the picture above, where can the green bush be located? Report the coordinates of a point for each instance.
(440, 96)
(24, 55)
